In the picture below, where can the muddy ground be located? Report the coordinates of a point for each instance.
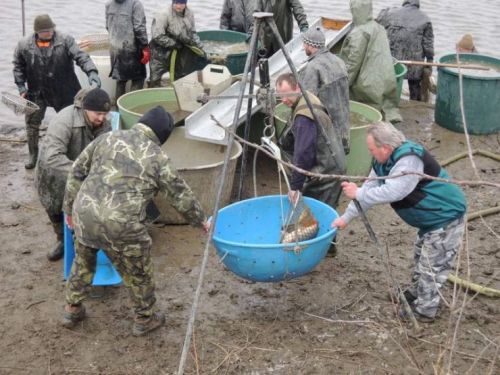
(336, 320)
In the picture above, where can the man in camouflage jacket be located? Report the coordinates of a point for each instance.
(173, 29)
(108, 189)
(45, 62)
(69, 132)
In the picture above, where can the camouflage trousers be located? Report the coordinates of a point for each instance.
(435, 254)
(133, 263)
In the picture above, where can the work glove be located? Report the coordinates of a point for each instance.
(198, 51)
(427, 71)
(146, 55)
(304, 28)
(94, 79)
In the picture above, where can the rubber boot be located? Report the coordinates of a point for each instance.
(57, 251)
(32, 135)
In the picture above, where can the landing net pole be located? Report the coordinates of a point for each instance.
(23, 16)
(227, 157)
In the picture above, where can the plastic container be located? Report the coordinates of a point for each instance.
(247, 235)
(481, 96)
(134, 104)
(105, 273)
(236, 61)
(400, 70)
(99, 53)
(359, 159)
(212, 80)
(200, 164)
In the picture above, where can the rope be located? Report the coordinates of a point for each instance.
(227, 157)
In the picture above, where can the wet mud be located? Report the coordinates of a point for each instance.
(336, 320)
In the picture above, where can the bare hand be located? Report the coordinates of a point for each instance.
(293, 196)
(339, 223)
(82, 44)
(69, 221)
(350, 189)
(23, 95)
(206, 226)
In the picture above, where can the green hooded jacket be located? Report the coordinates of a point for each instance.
(369, 63)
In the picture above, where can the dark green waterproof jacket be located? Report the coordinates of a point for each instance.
(49, 73)
(369, 63)
(283, 13)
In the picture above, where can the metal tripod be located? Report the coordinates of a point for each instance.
(259, 19)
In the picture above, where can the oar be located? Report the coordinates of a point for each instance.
(446, 65)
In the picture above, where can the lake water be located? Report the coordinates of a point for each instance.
(451, 19)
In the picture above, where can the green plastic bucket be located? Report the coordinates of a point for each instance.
(134, 104)
(481, 95)
(400, 70)
(235, 62)
(359, 159)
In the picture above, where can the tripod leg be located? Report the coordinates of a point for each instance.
(246, 136)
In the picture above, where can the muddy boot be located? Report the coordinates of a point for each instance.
(57, 251)
(145, 325)
(32, 135)
(72, 315)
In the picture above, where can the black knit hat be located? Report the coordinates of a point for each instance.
(97, 100)
(160, 121)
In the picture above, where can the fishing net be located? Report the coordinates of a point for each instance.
(94, 42)
(18, 104)
(301, 225)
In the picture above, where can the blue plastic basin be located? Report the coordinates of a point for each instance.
(247, 235)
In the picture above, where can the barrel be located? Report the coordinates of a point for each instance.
(361, 115)
(134, 104)
(400, 70)
(481, 95)
(98, 51)
(235, 62)
(200, 164)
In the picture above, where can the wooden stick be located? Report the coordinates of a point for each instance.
(447, 65)
(490, 292)
(482, 213)
(12, 140)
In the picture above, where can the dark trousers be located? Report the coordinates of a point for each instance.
(415, 93)
(137, 84)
